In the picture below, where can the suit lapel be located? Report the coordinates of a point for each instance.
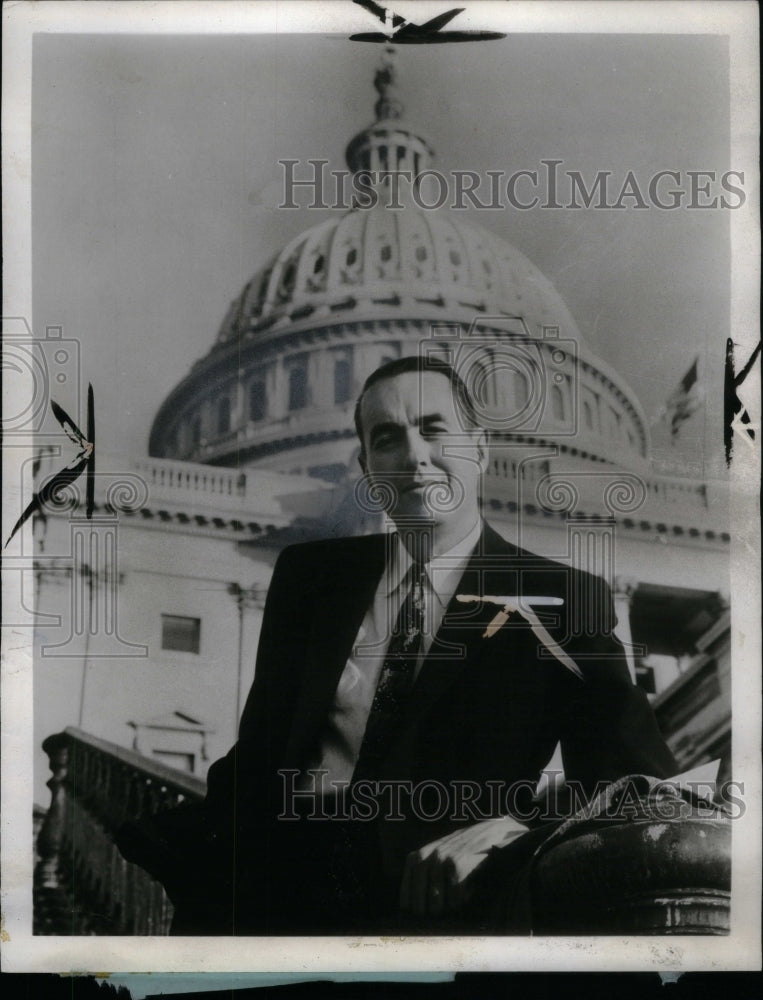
(345, 594)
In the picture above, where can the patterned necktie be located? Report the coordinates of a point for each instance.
(396, 679)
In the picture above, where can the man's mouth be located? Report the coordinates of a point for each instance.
(421, 485)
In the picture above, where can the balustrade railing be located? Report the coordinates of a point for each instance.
(82, 884)
(164, 473)
(661, 866)
(651, 495)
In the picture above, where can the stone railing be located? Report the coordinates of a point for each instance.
(681, 506)
(82, 885)
(167, 474)
(640, 859)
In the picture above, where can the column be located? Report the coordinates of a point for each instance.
(276, 390)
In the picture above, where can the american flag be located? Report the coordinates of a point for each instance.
(684, 401)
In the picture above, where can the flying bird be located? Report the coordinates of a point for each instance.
(403, 32)
(83, 460)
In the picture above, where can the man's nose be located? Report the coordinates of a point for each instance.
(418, 450)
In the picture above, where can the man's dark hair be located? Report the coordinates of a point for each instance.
(415, 363)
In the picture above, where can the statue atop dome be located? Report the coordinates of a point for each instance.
(389, 144)
(388, 106)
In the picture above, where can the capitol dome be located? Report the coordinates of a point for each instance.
(381, 262)
(278, 387)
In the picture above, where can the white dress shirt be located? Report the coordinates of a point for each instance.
(347, 717)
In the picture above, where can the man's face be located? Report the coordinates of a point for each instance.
(416, 450)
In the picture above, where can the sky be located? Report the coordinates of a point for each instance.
(155, 185)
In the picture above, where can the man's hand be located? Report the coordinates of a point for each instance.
(438, 877)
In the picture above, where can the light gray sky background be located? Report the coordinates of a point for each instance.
(155, 185)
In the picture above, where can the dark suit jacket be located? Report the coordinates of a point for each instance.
(482, 709)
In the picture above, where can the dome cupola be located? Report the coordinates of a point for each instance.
(389, 145)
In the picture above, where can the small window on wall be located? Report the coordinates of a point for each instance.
(298, 386)
(342, 384)
(181, 634)
(257, 400)
(223, 415)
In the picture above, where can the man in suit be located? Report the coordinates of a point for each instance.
(409, 689)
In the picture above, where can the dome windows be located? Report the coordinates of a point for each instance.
(459, 270)
(342, 381)
(257, 400)
(350, 268)
(315, 271)
(418, 251)
(298, 388)
(383, 243)
(288, 281)
(223, 415)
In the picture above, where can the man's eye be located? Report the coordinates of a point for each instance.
(434, 430)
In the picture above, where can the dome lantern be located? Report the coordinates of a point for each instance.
(390, 145)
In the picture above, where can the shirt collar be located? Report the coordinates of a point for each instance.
(443, 572)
